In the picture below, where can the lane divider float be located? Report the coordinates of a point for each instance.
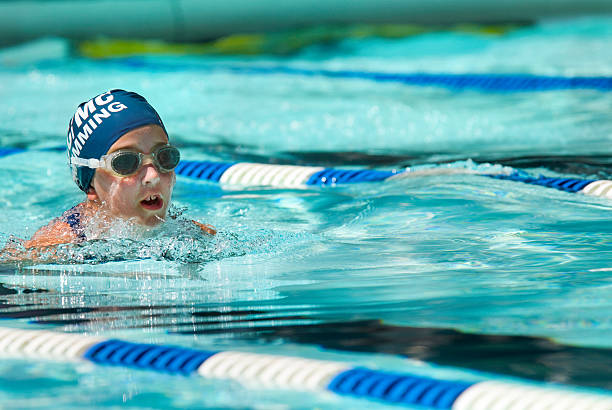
(293, 176)
(487, 82)
(290, 176)
(294, 373)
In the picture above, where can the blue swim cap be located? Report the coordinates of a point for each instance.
(101, 121)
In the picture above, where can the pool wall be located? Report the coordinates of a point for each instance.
(191, 20)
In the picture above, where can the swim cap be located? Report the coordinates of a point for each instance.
(101, 121)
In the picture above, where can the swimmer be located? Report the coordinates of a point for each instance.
(121, 158)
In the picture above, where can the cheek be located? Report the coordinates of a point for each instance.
(168, 181)
(121, 192)
(106, 186)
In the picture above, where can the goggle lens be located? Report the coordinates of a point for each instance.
(126, 163)
(168, 158)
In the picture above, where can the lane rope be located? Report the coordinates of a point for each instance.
(482, 82)
(247, 174)
(295, 373)
(290, 176)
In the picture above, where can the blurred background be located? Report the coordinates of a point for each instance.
(265, 80)
(193, 20)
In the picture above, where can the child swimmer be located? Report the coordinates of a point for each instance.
(120, 156)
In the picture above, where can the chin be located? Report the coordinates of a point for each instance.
(153, 220)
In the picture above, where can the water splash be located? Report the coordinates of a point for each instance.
(177, 240)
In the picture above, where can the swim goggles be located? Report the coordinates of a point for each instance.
(124, 163)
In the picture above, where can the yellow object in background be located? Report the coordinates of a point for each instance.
(279, 43)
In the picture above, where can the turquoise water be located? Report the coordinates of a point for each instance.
(374, 274)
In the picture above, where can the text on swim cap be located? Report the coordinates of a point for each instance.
(95, 109)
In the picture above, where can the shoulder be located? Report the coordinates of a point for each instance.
(55, 233)
(65, 229)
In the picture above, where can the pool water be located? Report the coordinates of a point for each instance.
(450, 274)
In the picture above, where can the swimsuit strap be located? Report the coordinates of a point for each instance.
(73, 218)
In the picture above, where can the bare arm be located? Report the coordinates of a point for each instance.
(55, 233)
(209, 229)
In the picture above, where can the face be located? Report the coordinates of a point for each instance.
(144, 196)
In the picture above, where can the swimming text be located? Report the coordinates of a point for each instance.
(89, 116)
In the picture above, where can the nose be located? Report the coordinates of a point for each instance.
(151, 175)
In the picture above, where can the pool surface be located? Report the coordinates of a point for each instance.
(444, 274)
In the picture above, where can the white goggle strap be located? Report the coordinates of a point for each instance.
(90, 163)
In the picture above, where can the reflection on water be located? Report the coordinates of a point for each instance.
(521, 356)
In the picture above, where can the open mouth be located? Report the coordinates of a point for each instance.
(152, 203)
